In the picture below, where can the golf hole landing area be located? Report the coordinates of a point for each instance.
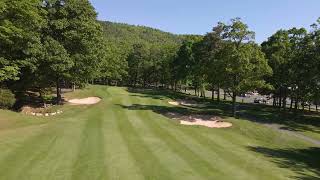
(200, 120)
(85, 101)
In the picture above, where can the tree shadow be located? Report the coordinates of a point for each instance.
(147, 96)
(289, 120)
(167, 110)
(305, 162)
(155, 93)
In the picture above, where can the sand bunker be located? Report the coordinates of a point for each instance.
(200, 120)
(85, 101)
(190, 103)
(210, 124)
(174, 103)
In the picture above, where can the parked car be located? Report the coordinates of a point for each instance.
(265, 101)
(305, 104)
(257, 100)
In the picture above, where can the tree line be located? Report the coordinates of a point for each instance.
(285, 66)
(60, 43)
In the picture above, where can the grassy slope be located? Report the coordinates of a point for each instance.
(125, 137)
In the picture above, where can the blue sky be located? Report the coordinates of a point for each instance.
(264, 17)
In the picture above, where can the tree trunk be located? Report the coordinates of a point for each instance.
(309, 107)
(73, 87)
(296, 104)
(291, 103)
(284, 101)
(212, 94)
(280, 98)
(224, 95)
(317, 107)
(218, 93)
(58, 91)
(234, 110)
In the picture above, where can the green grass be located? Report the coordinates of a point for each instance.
(126, 136)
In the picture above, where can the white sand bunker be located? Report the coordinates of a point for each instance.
(191, 103)
(174, 103)
(85, 101)
(210, 124)
(200, 120)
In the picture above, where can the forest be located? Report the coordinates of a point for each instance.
(60, 44)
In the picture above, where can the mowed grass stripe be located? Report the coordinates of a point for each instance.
(200, 165)
(58, 160)
(23, 162)
(240, 163)
(255, 165)
(12, 139)
(90, 162)
(14, 164)
(120, 163)
(149, 165)
(182, 169)
(228, 144)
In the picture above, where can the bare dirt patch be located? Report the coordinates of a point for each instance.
(85, 101)
(200, 120)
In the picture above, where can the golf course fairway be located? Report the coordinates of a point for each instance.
(125, 136)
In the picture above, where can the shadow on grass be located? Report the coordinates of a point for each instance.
(166, 110)
(154, 94)
(300, 161)
(289, 120)
(264, 114)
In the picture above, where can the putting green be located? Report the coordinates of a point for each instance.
(125, 136)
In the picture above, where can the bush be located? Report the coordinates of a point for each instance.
(46, 95)
(7, 99)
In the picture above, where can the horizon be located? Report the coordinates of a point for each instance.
(198, 18)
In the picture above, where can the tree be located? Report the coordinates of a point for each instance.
(136, 62)
(73, 29)
(212, 48)
(278, 50)
(314, 54)
(8, 71)
(244, 64)
(55, 65)
(184, 65)
(20, 25)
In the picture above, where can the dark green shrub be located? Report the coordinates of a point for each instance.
(7, 99)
